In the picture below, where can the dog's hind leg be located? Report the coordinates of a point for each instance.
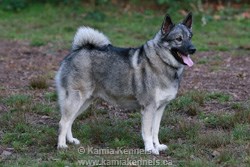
(70, 109)
(156, 125)
(70, 137)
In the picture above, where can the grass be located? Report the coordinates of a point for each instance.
(213, 139)
(189, 103)
(48, 24)
(50, 96)
(29, 125)
(241, 132)
(39, 82)
(224, 121)
(17, 100)
(27, 131)
(221, 97)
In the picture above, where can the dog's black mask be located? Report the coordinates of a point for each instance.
(179, 39)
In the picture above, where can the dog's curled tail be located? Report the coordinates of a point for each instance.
(89, 36)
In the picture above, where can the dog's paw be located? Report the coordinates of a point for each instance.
(161, 147)
(74, 141)
(62, 146)
(152, 151)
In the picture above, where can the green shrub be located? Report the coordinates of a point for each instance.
(39, 82)
(13, 5)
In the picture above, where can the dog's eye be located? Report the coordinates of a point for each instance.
(179, 39)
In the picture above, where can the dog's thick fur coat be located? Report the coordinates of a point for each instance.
(145, 78)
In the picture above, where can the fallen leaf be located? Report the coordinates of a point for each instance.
(215, 153)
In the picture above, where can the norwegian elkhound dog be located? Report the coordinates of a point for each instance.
(145, 78)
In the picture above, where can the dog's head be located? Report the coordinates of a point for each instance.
(178, 38)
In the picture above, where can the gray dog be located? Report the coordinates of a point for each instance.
(145, 78)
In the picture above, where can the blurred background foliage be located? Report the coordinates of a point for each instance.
(54, 21)
(210, 9)
(171, 5)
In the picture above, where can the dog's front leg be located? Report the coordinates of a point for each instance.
(156, 127)
(147, 135)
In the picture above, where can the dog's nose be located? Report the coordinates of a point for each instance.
(191, 50)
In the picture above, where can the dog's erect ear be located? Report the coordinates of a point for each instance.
(166, 25)
(188, 20)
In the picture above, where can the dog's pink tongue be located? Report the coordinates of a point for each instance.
(187, 60)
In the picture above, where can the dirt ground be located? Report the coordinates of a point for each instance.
(226, 72)
(214, 71)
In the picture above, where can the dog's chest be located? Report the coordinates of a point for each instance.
(165, 95)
